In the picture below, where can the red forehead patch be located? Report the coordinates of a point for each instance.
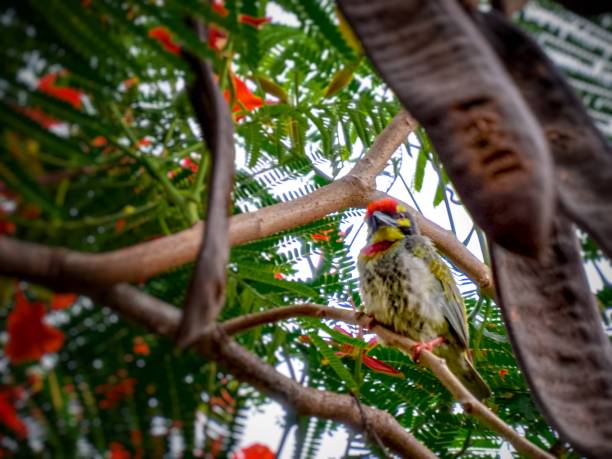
(386, 205)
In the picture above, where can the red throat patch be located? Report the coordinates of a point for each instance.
(371, 250)
(385, 205)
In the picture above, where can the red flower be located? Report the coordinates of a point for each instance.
(120, 225)
(29, 337)
(99, 141)
(140, 346)
(188, 163)
(114, 393)
(7, 227)
(217, 38)
(8, 413)
(69, 95)
(62, 301)
(253, 21)
(255, 451)
(379, 366)
(319, 237)
(118, 451)
(279, 276)
(40, 117)
(219, 8)
(503, 373)
(215, 447)
(144, 142)
(163, 36)
(130, 82)
(244, 99)
(348, 350)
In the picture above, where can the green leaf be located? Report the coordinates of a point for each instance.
(419, 173)
(268, 279)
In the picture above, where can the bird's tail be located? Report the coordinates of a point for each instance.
(469, 377)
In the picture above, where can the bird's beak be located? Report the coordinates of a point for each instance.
(379, 219)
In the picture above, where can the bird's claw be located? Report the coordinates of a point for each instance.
(429, 346)
(367, 321)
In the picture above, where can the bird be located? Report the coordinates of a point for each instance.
(406, 286)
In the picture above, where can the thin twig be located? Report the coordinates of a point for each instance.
(437, 365)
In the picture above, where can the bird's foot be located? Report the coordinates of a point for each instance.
(367, 321)
(429, 346)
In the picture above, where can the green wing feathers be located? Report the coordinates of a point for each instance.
(453, 308)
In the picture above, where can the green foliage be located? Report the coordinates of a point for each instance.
(88, 181)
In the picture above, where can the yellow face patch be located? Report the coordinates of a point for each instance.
(405, 222)
(387, 233)
(401, 208)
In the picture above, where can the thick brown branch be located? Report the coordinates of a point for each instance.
(163, 319)
(141, 261)
(206, 294)
(437, 365)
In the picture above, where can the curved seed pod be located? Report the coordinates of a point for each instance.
(582, 158)
(558, 338)
(447, 76)
(206, 294)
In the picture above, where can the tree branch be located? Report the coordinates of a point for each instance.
(437, 365)
(141, 261)
(164, 319)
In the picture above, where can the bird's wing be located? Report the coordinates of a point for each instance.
(453, 307)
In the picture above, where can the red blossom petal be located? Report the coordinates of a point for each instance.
(245, 100)
(114, 393)
(253, 21)
(503, 373)
(279, 276)
(62, 301)
(120, 225)
(188, 163)
(387, 205)
(98, 141)
(29, 337)
(7, 227)
(217, 38)
(163, 36)
(215, 447)
(8, 413)
(319, 237)
(118, 451)
(40, 117)
(144, 142)
(227, 397)
(219, 8)
(255, 451)
(69, 95)
(380, 367)
(140, 346)
(130, 82)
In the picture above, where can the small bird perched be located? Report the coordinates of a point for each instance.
(407, 287)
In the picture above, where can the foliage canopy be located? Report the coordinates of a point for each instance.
(100, 150)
